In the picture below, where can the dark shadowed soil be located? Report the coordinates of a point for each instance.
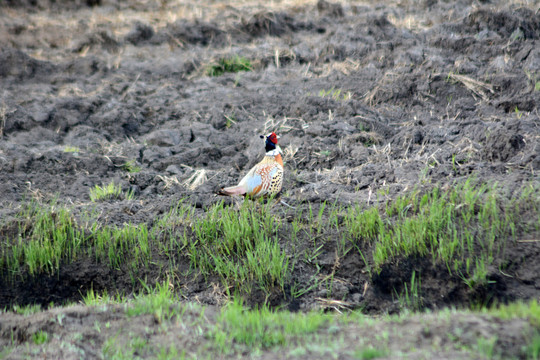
(369, 99)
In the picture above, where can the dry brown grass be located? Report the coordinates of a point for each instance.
(478, 88)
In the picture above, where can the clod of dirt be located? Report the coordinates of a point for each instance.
(45, 4)
(333, 10)
(18, 64)
(503, 144)
(139, 33)
(103, 38)
(268, 23)
(522, 22)
(200, 32)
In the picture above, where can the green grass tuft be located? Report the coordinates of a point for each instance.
(27, 310)
(263, 328)
(369, 353)
(46, 236)
(131, 167)
(40, 337)
(109, 191)
(335, 94)
(232, 65)
(71, 149)
(241, 247)
(117, 245)
(92, 298)
(49, 235)
(159, 301)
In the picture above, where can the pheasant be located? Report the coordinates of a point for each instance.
(265, 178)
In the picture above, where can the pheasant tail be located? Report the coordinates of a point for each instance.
(232, 191)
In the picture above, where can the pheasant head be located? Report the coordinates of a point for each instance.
(271, 144)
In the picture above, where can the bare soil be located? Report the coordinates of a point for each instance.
(388, 97)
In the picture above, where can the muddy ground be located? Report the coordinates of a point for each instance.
(369, 99)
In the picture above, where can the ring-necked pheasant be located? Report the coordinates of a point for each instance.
(265, 178)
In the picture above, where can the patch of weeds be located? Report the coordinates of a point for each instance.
(138, 344)
(71, 149)
(231, 119)
(336, 94)
(465, 228)
(519, 114)
(533, 347)
(240, 246)
(111, 350)
(159, 301)
(263, 328)
(411, 297)
(232, 65)
(486, 347)
(40, 337)
(119, 245)
(6, 351)
(530, 310)
(325, 153)
(92, 298)
(533, 79)
(369, 353)
(517, 35)
(27, 310)
(46, 236)
(170, 230)
(170, 353)
(363, 225)
(131, 167)
(109, 191)
(363, 127)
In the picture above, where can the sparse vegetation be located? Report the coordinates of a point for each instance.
(263, 328)
(108, 192)
(439, 224)
(27, 310)
(40, 337)
(131, 166)
(236, 330)
(336, 94)
(71, 149)
(46, 236)
(159, 301)
(240, 246)
(243, 247)
(369, 353)
(233, 65)
(231, 119)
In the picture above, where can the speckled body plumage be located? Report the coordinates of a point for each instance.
(265, 178)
